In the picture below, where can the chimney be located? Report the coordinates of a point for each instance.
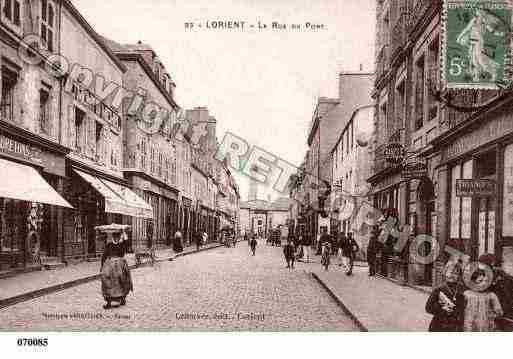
(269, 198)
(361, 67)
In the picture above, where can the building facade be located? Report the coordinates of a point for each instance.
(352, 161)
(329, 120)
(31, 140)
(451, 144)
(150, 158)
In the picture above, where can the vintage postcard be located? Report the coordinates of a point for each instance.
(255, 166)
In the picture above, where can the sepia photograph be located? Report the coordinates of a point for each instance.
(242, 166)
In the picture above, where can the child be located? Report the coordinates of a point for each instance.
(446, 303)
(481, 305)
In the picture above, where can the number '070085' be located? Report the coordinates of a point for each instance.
(32, 342)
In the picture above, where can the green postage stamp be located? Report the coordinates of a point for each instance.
(477, 38)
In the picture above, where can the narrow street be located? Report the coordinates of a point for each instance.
(225, 288)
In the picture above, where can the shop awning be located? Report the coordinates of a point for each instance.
(118, 199)
(24, 183)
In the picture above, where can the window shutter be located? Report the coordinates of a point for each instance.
(71, 126)
(91, 136)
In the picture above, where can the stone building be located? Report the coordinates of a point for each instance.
(150, 159)
(32, 148)
(93, 128)
(449, 143)
(328, 121)
(352, 159)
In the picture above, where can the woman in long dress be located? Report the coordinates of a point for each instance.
(115, 274)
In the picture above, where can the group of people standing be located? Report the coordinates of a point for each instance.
(471, 305)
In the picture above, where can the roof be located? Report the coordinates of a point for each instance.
(131, 53)
(96, 37)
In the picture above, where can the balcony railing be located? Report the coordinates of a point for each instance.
(382, 63)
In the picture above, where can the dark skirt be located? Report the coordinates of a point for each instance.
(116, 279)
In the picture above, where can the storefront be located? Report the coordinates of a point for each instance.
(98, 198)
(164, 202)
(477, 222)
(186, 221)
(31, 202)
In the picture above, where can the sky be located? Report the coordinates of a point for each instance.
(261, 85)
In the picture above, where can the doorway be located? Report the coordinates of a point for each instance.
(484, 238)
(426, 224)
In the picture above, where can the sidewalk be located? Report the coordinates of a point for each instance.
(374, 303)
(34, 284)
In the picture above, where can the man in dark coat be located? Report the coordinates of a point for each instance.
(325, 238)
(349, 250)
(289, 251)
(372, 250)
(253, 244)
(198, 240)
(149, 233)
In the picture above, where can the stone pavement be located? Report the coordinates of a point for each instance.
(376, 303)
(32, 284)
(217, 290)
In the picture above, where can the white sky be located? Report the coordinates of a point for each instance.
(260, 85)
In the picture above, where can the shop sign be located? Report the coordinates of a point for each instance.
(394, 153)
(186, 202)
(19, 149)
(475, 188)
(491, 131)
(414, 170)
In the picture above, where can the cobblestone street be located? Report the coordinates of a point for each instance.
(224, 289)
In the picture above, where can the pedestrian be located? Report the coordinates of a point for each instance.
(149, 233)
(502, 286)
(349, 250)
(482, 307)
(253, 244)
(372, 250)
(289, 251)
(177, 242)
(325, 254)
(115, 273)
(341, 240)
(199, 240)
(204, 237)
(324, 237)
(446, 303)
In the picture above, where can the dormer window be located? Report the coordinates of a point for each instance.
(12, 12)
(48, 23)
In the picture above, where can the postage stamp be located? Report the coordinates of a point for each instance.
(477, 44)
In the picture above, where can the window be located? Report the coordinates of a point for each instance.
(9, 80)
(12, 11)
(79, 130)
(348, 145)
(461, 208)
(352, 136)
(47, 23)
(383, 118)
(400, 104)
(433, 79)
(99, 141)
(419, 94)
(44, 111)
